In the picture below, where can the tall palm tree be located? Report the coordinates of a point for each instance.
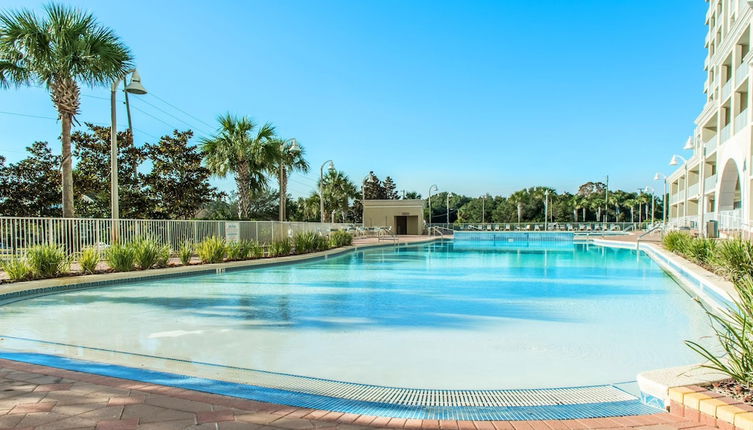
(60, 50)
(337, 190)
(245, 150)
(288, 159)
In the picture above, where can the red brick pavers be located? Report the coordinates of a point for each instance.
(45, 398)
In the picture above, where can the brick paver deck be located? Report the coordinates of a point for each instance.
(45, 398)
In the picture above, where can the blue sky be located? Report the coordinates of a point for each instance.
(476, 97)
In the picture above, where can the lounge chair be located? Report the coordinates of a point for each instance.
(507, 227)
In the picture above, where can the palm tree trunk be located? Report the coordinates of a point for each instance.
(244, 188)
(283, 192)
(67, 168)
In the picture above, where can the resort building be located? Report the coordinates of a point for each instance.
(400, 216)
(715, 182)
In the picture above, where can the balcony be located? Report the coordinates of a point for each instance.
(710, 146)
(710, 184)
(725, 133)
(726, 90)
(674, 198)
(741, 73)
(741, 121)
(693, 190)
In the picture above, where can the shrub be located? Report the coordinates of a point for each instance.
(734, 331)
(700, 250)
(212, 250)
(89, 259)
(676, 241)
(309, 241)
(733, 258)
(239, 250)
(340, 238)
(163, 256)
(17, 269)
(121, 258)
(280, 248)
(47, 261)
(185, 252)
(147, 253)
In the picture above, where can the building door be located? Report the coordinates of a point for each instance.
(401, 224)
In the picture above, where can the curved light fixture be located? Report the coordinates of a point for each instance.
(135, 86)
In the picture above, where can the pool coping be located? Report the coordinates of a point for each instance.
(15, 291)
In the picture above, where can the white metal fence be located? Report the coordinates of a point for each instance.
(541, 226)
(74, 234)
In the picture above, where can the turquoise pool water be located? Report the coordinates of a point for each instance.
(465, 314)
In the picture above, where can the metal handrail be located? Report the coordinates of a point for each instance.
(382, 232)
(652, 229)
(438, 230)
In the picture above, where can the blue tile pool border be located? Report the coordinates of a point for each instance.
(313, 401)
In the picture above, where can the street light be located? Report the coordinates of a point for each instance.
(433, 187)
(546, 210)
(483, 208)
(321, 186)
(448, 209)
(688, 144)
(363, 199)
(659, 177)
(289, 146)
(673, 162)
(134, 87)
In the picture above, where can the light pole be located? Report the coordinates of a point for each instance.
(363, 199)
(448, 209)
(546, 210)
(653, 202)
(606, 201)
(483, 208)
(673, 162)
(331, 168)
(659, 177)
(285, 149)
(134, 87)
(433, 187)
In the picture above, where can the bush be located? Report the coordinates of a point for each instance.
(148, 253)
(89, 259)
(212, 250)
(121, 258)
(185, 252)
(163, 256)
(340, 238)
(47, 261)
(733, 258)
(734, 331)
(280, 248)
(309, 241)
(677, 241)
(17, 269)
(700, 250)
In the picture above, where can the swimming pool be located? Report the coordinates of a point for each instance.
(447, 315)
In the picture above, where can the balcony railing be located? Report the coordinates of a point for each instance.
(675, 198)
(709, 184)
(710, 146)
(725, 133)
(726, 90)
(741, 121)
(741, 73)
(693, 190)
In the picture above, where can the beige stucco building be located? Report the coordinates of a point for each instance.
(400, 216)
(714, 183)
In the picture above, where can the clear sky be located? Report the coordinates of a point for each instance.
(476, 97)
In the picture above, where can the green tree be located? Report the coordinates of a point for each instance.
(92, 150)
(337, 190)
(289, 158)
(389, 189)
(60, 50)
(31, 187)
(244, 149)
(178, 183)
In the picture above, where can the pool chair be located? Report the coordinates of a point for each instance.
(528, 227)
(507, 227)
(488, 227)
(588, 227)
(496, 227)
(615, 228)
(569, 227)
(597, 227)
(536, 228)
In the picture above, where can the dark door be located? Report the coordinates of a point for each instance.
(401, 224)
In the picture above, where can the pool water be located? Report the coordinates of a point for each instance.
(454, 315)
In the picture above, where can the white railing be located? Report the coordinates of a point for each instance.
(741, 73)
(675, 198)
(710, 146)
(725, 133)
(710, 183)
(693, 190)
(572, 226)
(726, 90)
(75, 234)
(741, 120)
(730, 220)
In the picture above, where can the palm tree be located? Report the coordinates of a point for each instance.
(288, 159)
(244, 149)
(337, 190)
(64, 48)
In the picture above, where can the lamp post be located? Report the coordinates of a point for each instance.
(673, 162)
(483, 208)
(288, 146)
(331, 168)
(659, 177)
(653, 202)
(448, 209)
(606, 201)
(134, 87)
(433, 187)
(363, 199)
(546, 210)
